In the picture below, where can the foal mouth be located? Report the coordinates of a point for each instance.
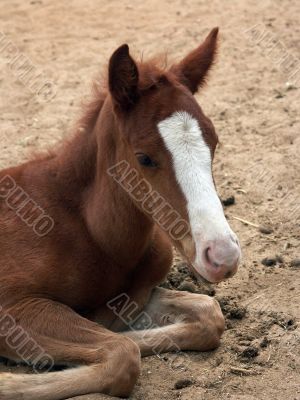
(200, 278)
(188, 252)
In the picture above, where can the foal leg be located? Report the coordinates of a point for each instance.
(106, 362)
(178, 321)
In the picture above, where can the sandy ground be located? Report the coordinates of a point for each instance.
(253, 98)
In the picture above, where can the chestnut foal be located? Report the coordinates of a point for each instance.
(142, 155)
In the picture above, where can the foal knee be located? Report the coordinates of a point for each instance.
(215, 324)
(127, 367)
(209, 324)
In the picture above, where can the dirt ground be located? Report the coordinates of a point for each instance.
(253, 99)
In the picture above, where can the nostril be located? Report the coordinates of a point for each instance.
(206, 252)
(209, 258)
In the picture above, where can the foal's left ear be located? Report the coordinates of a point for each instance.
(123, 79)
(193, 69)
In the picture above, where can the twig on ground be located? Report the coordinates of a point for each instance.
(246, 222)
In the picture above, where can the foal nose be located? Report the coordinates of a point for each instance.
(221, 257)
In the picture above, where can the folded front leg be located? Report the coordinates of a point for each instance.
(178, 321)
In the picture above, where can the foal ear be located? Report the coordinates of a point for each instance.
(123, 79)
(193, 69)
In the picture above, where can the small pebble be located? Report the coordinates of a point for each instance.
(264, 343)
(250, 352)
(265, 230)
(183, 383)
(269, 262)
(279, 95)
(229, 201)
(290, 322)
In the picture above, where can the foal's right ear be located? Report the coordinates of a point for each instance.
(123, 79)
(193, 69)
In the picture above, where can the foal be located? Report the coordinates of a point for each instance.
(135, 179)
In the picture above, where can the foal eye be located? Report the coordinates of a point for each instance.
(145, 160)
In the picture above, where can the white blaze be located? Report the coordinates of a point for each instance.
(193, 168)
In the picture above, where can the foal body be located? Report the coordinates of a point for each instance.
(58, 287)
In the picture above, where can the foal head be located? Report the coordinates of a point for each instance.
(169, 143)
